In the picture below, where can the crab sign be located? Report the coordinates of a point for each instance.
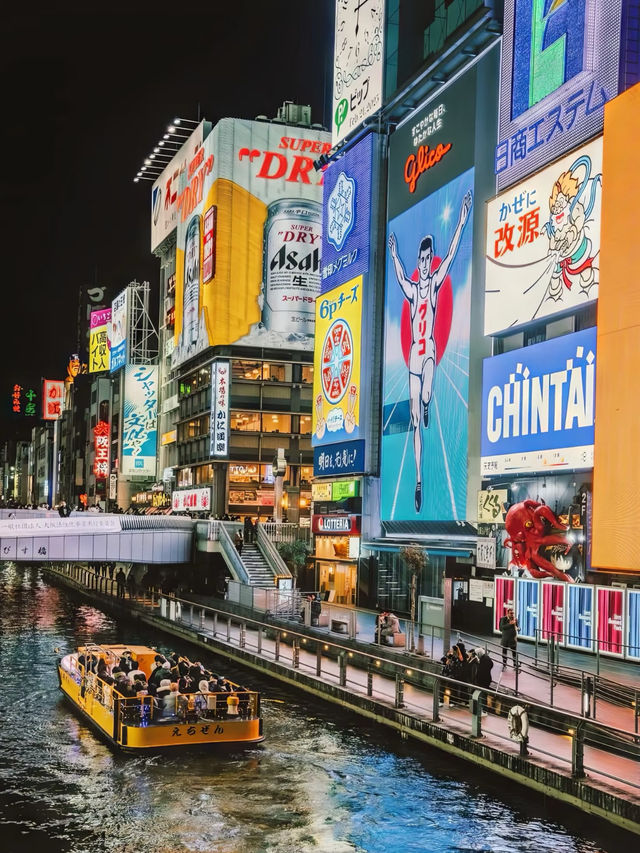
(528, 524)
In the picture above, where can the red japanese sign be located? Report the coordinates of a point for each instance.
(101, 447)
(52, 399)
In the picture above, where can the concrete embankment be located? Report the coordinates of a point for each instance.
(319, 668)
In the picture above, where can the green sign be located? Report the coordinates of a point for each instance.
(344, 489)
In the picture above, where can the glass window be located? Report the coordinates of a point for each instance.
(278, 397)
(185, 477)
(305, 424)
(249, 473)
(204, 474)
(306, 473)
(276, 423)
(246, 421)
(307, 373)
(276, 372)
(245, 369)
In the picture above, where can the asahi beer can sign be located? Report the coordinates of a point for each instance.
(291, 268)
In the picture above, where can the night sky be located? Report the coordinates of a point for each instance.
(87, 94)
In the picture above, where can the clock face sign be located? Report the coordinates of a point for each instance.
(337, 361)
(358, 63)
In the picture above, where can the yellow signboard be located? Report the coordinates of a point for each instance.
(99, 354)
(321, 491)
(336, 373)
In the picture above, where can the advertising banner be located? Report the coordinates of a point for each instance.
(553, 611)
(140, 421)
(322, 491)
(167, 189)
(117, 331)
(527, 610)
(261, 245)
(52, 399)
(197, 500)
(538, 406)
(101, 446)
(358, 64)
(219, 417)
(580, 616)
(339, 525)
(610, 622)
(336, 372)
(633, 624)
(336, 459)
(346, 215)
(98, 343)
(560, 65)
(24, 400)
(505, 596)
(427, 310)
(492, 506)
(543, 243)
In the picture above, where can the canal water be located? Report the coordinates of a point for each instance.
(320, 782)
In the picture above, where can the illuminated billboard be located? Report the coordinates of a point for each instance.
(52, 399)
(560, 65)
(117, 331)
(358, 64)
(101, 446)
(250, 217)
(219, 415)
(166, 191)
(140, 420)
(336, 371)
(98, 340)
(346, 215)
(427, 309)
(538, 406)
(543, 243)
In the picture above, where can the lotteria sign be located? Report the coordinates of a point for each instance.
(560, 65)
(538, 406)
(345, 525)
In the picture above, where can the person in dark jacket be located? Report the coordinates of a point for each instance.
(121, 580)
(485, 665)
(508, 627)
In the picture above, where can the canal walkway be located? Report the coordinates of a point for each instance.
(591, 764)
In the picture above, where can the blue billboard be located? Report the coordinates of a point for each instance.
(560, 65)
(528, 605)
(538, 406)
(346, 457)
(580, 616)
(426, 357)
(346, 217)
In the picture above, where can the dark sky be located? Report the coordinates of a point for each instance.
(86, 94)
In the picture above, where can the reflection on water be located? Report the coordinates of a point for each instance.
(321, 781)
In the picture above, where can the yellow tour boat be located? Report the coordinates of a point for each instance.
(144, 722)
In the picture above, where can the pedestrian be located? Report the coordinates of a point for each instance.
(508, 627)
(64, 511)
(131, 585)
(238, 542)
(485, 665)
(381, 624)
(248, 530)
(121, 580)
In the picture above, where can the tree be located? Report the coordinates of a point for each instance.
(416, 560)
(294, 554)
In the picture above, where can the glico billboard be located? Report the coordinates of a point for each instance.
(427, 309)
(249, 239)
(538, 407)
(561, 62)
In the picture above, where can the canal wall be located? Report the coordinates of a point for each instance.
(580, 793)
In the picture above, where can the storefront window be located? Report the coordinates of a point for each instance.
(246, 369)
(305, 424)
(244, 473)
(185, 477)
(276, 372)
(307, 373)
(306, 473)
(276, 423)
(247, 421)
(204, 474)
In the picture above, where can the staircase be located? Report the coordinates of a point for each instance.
(259, 571)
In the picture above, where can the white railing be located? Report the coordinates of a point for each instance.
(233, 559)
(285, 532)
(271, 555)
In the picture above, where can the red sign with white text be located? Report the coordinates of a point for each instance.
(52, 399)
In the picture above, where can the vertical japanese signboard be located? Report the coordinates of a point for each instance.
(140, 422)
(219, 426)
(117, 331)
(98, 340)
(23, 401)
(560, 65)
(101, 450)
(52, 399)
(358, 64)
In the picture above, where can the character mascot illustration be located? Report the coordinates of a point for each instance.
(568, 242)
(530, 525)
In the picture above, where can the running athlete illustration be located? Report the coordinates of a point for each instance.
(422, 296)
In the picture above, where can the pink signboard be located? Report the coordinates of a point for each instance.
(504, 598)
(553, 604)
(610, 620)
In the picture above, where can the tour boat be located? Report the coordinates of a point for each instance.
(230, 716)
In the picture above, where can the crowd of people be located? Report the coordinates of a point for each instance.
(179, 688)
(471, 667)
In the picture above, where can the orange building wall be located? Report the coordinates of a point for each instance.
(616, 481)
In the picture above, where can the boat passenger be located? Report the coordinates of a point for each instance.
(159, 674)
(103, 672)
(202, 697)
(165, 701)
(223, 684)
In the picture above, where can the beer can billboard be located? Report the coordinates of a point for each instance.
(249, 239)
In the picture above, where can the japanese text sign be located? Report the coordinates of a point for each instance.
(98, 344)
(140, 423)
(543, 243)
(101, 450)
(344, 458)
(52, 399)
(219, 426)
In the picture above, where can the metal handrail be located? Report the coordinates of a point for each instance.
(271, 554)
(233, 559)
